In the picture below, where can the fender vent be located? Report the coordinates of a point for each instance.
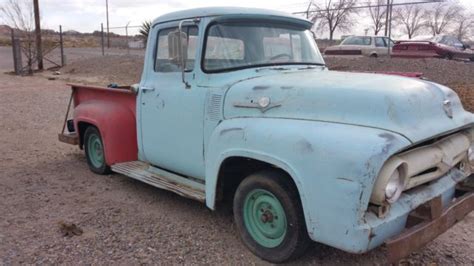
(214, 108)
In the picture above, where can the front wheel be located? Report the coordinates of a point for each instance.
(94, 148)
(269, 216)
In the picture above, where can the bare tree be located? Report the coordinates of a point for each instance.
(377, 12)
(334, 15)
(441, 16)
(20, 16)
(463, 27)
(410, 17)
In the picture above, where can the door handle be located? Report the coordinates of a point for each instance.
(145, 89)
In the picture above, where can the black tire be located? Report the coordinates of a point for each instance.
(472, 59)
(295, 240)
(101, 168)
(449, 56)
(374, 56)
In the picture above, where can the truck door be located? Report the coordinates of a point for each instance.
(171, 114)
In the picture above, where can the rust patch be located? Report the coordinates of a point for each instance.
(227, 130)
(258, 88)
(387, 136)
(304, 146)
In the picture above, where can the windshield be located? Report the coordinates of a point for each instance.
(240, 45)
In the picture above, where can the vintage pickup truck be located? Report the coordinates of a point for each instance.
(237, 104)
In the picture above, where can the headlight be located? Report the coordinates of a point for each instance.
(470, 154)
(394, 187)
(390, 182)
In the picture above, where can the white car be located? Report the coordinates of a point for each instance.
(373, 46)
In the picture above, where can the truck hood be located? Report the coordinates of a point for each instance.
(414, 108)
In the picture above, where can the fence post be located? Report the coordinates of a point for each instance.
(17, 64)
(126, 38)
(102, 37)
(61, 43)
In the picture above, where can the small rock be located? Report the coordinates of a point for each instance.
(69, 229)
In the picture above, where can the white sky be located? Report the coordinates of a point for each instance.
(86, 15)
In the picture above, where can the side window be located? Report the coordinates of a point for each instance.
(163, 62)
(380, 42)
(457, 43)
(389, 41)
(356, 40)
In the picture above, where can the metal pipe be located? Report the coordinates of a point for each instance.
(61, 43)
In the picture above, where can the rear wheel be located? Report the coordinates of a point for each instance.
(269, 216)
(94, 148)
(374, 55)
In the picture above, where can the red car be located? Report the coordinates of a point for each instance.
(441, 46)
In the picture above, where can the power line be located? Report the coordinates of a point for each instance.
(369, 6)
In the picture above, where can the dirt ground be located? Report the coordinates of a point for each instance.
(45, 183)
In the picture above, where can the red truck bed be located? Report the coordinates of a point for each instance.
(113, 112)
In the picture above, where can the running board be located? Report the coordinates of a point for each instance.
(161, 179)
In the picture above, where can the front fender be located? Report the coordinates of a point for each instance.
(117, 127)
(334, 166)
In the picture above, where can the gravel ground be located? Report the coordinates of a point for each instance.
(46, 184)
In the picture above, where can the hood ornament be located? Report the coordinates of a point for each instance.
(448, 109)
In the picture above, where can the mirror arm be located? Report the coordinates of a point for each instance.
(180, 45)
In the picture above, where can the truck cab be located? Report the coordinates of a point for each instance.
(237, 104)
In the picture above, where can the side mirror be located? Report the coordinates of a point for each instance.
(178, 48)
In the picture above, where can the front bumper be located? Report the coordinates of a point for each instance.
(373, 231)
(422, 214)
(430, 222)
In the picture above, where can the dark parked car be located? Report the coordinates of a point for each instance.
(441, 46)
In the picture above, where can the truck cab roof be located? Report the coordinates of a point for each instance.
(219, 11)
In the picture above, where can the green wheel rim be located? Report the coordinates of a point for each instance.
(264, 218)
(95, 150)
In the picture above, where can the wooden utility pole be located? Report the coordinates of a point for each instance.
(107, 13)
(39, 46)
(386, 17)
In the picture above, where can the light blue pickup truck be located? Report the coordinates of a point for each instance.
(237, 104)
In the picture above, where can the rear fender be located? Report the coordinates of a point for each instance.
(116, 125)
